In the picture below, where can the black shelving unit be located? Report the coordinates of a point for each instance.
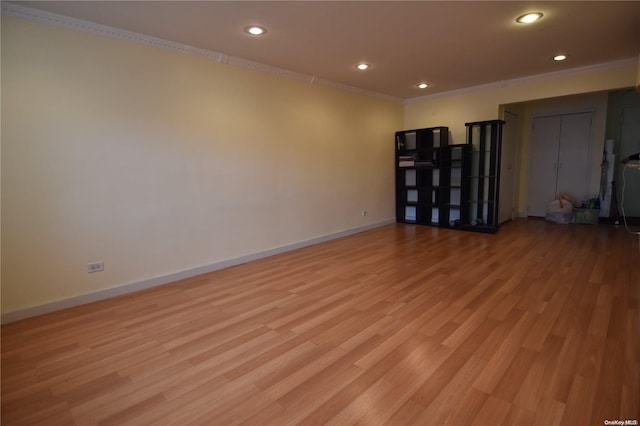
(455, 164)
(483, 180)
(430, 174)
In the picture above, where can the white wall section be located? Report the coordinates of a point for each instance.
(157, 162)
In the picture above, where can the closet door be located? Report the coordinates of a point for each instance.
(574, 154)
(559, 159)
(543, 166)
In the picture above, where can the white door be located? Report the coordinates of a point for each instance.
(507, 167)
(559, 159)
(573, 156)
(543, 164)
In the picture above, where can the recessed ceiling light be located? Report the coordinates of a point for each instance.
(255, 30)
(363, 66)
(528, 18)
(423, 85)
(560, 57)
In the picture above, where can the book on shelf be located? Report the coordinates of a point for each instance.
(417, 163)
(406, 160)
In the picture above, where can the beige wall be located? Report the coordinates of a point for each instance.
(455, 109)
(554, 93)
(157, 162)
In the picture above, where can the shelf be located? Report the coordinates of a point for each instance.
(484, 176)
(422, 139)
(429, 194)
(419, 166)
(480, 202)
(435, 193)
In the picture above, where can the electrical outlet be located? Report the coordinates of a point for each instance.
(95, 267)
(364, 212)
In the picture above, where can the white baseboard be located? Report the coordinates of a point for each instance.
(166, 279)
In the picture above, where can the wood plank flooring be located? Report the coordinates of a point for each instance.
(401, 325)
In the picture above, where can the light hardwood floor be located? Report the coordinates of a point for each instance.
(402, 325)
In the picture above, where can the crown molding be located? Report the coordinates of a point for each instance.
(19, 11)
(530, 78)
(54, 19)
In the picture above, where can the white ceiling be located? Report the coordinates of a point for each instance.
(451, 45)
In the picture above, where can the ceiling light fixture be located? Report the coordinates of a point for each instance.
(363, 66)
(423, 85)
(255, 30)
(528, 18)
(560, 57)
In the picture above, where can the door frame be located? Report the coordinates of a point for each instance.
(514, 161)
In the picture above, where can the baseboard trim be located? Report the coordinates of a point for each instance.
(166, 279)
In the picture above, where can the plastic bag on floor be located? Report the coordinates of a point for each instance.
(560, 210)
